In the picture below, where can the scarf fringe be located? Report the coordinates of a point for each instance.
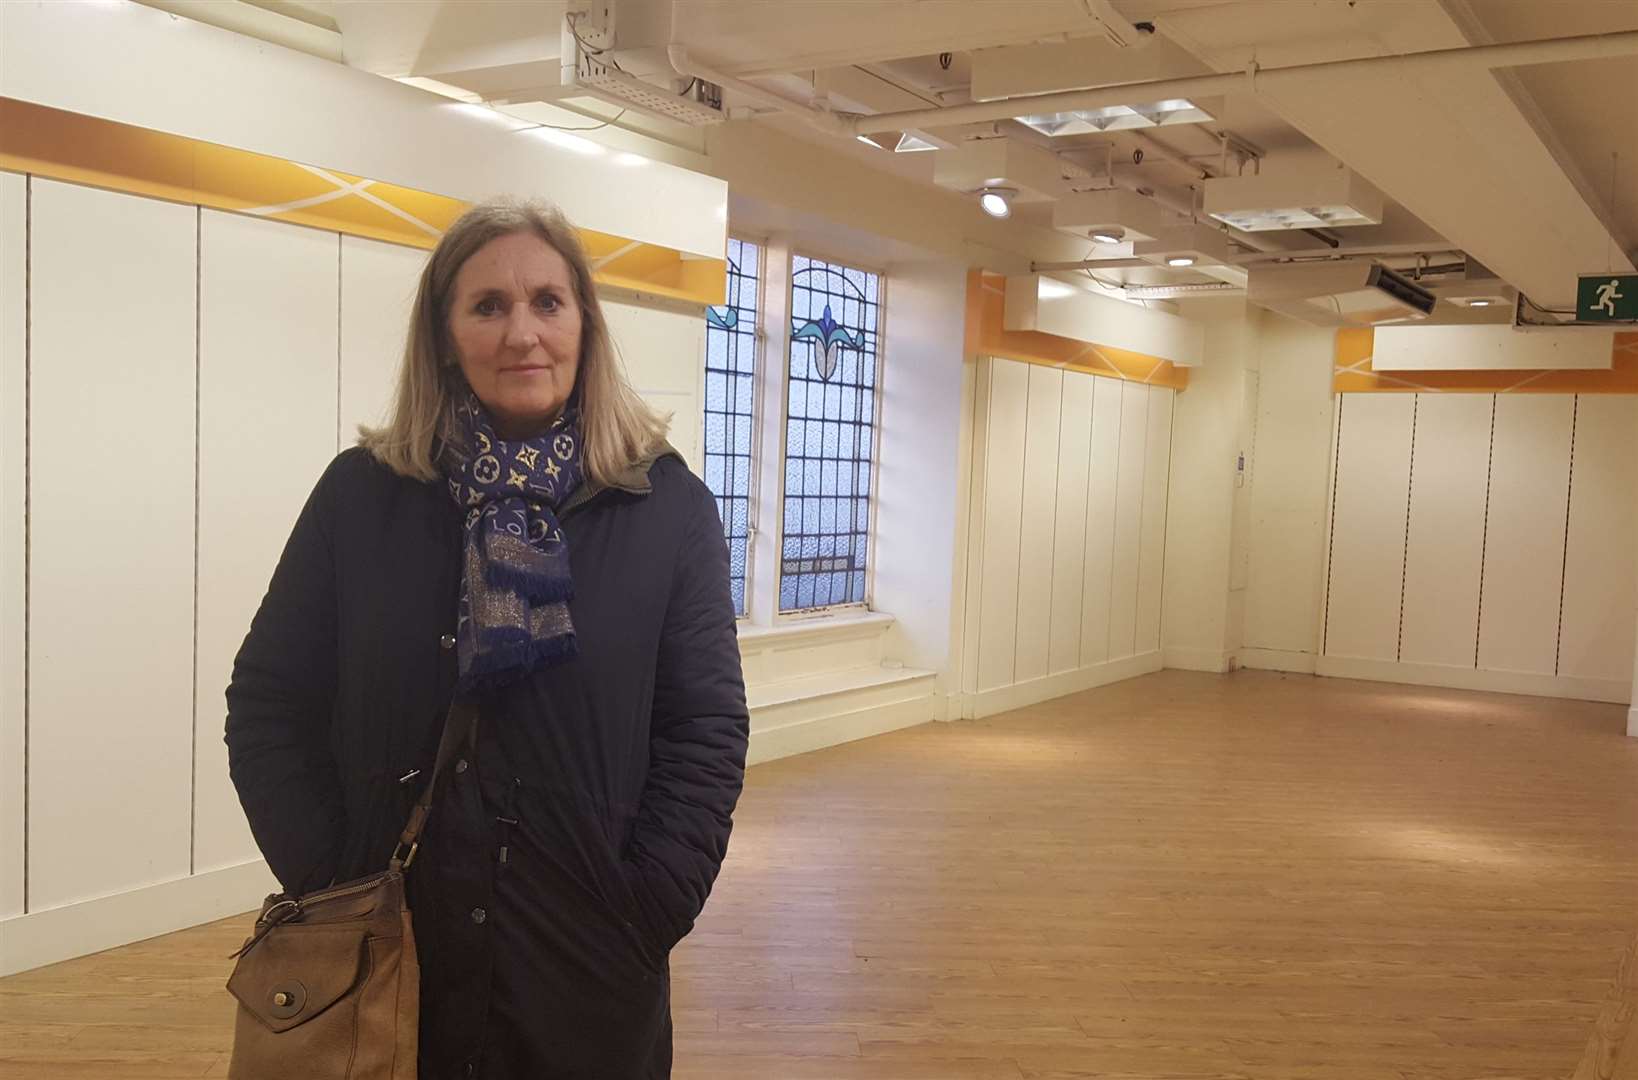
(502, 665)
(537, 588)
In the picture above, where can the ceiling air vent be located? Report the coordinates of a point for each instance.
(1353, 292)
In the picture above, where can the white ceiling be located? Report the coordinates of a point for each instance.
(1511, 167)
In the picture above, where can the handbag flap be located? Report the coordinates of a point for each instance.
(296, 972)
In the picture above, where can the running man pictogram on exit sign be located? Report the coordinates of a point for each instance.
(1607, 298)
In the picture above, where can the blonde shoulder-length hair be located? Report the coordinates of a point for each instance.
(619, 430)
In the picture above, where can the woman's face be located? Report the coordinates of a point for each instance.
(515, 323)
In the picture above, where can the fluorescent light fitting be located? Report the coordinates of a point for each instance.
(568, 141)
(1118, 118)
(442, 89)
(868, 141)
(488, 114)
(910, 144)
(1180, 261)
(996, 201)
(1055, 290)
(1108, 236)
(1480, 303)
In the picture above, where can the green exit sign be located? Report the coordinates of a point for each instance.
(1607, 298)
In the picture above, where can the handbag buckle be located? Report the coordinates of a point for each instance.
(401, 858)
(283, 911)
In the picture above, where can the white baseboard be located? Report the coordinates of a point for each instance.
(45, 937)
(1182, 659)
(1499, 682)
(976, 706)
(1301, 663)
(834, 729)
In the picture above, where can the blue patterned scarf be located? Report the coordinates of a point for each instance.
(515, 579)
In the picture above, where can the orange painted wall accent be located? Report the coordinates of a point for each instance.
(1354, 375)
(121, 157)
(987, 334)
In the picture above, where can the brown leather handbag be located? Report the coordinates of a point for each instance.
(328, 983)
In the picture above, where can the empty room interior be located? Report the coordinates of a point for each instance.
(819, 539)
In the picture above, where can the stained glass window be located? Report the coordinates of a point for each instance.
(730, 406)
(830, 434)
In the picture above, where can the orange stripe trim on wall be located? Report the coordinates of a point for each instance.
(987, 334)
(1353, 373)
(87, 150)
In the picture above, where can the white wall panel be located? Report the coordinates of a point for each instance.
(1368, 526)
(13, 529)
(1038, 522)
(1123, 597)
(267, 413)
(378, 283)
(1289, 494)
(1524, 540)
(1003, 505)
(1152, 534)
(1069, 539)
(1600, 594)
(1102, 479)
(112, 542)
(663, 352)
(1446, 534)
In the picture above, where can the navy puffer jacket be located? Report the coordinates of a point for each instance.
(575, 844)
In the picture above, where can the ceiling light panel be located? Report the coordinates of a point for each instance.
(1118, 118)
(1298, 199)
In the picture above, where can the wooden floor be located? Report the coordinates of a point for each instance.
(1183, 876)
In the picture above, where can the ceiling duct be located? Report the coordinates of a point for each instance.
(1353, 292)
(1125, 215)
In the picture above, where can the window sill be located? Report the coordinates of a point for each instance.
(813, 631)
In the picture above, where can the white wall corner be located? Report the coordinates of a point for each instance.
(1186, 659)
(1301, 663)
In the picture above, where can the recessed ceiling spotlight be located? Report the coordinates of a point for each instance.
(996, 201)
(1108, 236)
(1180, 261)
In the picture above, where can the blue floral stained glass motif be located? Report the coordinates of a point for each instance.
(830, 433)
(730, 367)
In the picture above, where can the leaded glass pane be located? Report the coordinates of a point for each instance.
(730, 405)
(830, 434)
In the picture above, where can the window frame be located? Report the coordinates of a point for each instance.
(759, 340)
(799, 615)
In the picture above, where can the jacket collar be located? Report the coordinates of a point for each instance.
(633, 480)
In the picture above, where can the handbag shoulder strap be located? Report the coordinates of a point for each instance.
(459, 728)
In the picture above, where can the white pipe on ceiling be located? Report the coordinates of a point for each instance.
(1516, 54)
(1438, 247)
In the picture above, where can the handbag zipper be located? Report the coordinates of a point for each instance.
(298, 906)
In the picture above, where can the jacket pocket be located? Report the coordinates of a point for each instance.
(575, 843)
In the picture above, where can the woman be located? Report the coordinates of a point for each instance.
(519, 532)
